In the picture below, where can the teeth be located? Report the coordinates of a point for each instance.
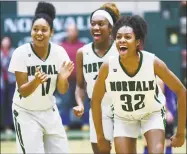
(39, 39)
(97, 33)
(123, 47)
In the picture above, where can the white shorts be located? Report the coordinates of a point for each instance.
(132, 128)
(39, 131)
(108, 124)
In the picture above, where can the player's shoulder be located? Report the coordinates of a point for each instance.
(22, 50)
(57, 49)
(113, 58)
(86, 47)
(147, 53)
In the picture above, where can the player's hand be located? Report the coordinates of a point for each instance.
(78, 110)
(66, 69)
(41, 77)
(104, 145)
(177, 140)
(169, 117)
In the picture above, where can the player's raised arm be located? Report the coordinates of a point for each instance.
(65, 72)
(171, 80)
(98, 94)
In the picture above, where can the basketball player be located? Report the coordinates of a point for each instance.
(89, 59)
(40, 67)
(130, 79)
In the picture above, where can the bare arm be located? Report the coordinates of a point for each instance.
(65, 72)
(98, 94)
(80, 87)
(170, 79)
(27, 88)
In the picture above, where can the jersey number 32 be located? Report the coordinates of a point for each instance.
(129, 105)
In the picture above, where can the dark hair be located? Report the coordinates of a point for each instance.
(137, 23)
(111, 8)
(45, 10)
(114, 10)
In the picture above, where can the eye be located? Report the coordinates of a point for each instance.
(118, 37)
(128, 37)
(35, 29)
(44, 30)
(101, 24)
(93, 24)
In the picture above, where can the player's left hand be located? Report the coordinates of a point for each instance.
(104, 145)
(177, 140)
(66, 69)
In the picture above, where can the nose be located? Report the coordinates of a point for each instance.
(39, 32)
(96, 27)
(122, 40)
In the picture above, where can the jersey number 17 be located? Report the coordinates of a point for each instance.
(46, 87)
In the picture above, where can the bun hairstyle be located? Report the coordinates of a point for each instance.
(46, 11)
(110, 8)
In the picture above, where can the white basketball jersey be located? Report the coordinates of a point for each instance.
(25, 59)
(134, 94)
(92, 62)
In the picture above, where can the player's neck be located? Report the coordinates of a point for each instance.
(42, 52)
(103, 46)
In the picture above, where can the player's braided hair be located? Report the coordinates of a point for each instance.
(45, 10)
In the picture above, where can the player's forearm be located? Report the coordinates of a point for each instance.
(28, 88)
(181, 111)
(97, 117)
(62, 85)
(79, 96)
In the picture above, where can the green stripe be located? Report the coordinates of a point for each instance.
(163, 114)
(157, 100)
(18, 132)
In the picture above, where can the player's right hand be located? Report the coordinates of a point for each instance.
(78, 110)
(177, 140)
(104, 145)
(41, 77)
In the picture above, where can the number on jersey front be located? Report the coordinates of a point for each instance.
(128, 106)
(46, 87)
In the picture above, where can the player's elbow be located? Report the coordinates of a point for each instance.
(23, 93)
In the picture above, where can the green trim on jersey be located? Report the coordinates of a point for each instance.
(163, 114)
(157, 100)
(49, 49)
(105, 52)
(156, 95)
(139, 66)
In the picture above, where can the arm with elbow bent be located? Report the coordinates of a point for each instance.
(170, 79)
(27, 88)
(80, 87)
(65, 72)
(98, 94)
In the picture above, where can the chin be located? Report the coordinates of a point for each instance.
(40, 44)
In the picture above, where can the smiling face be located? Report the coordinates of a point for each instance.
(126, 42)
(100, 29)
(41, 32)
